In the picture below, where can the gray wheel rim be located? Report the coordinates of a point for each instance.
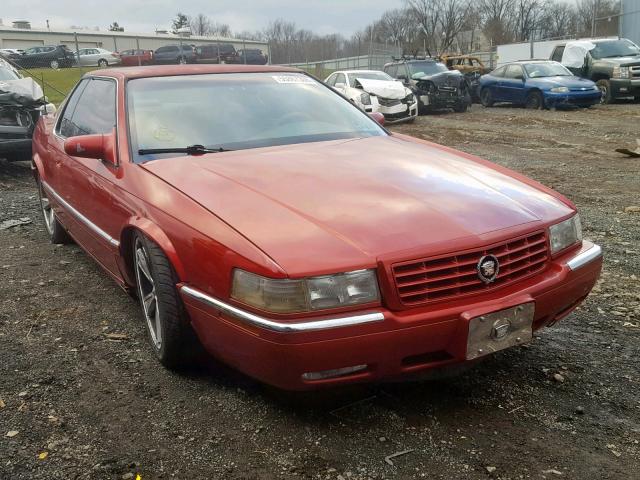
(147, 293)
(603, 94)
(54, 64)
(183, 60)
(47, 210)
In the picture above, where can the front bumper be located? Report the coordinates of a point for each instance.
(625, 87)
(383, 344)
(399, 113)
(578, 99)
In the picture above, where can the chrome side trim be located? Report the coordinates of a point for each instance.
(80, 216)
(277, 326)
(585, 257)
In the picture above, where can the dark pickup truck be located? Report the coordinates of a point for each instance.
(614, 64)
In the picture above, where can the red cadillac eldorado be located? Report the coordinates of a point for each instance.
(254, 210)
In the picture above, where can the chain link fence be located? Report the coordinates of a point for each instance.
(58, 67)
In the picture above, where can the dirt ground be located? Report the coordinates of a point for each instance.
(85, 405)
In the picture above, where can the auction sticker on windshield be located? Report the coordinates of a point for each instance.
(292, 79)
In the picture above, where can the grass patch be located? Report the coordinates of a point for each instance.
(56, 83)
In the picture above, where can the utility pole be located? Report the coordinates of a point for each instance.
(596, 5)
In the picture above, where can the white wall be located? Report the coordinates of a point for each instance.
(522, 51)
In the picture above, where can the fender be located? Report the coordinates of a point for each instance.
(36, 166)
(155, 233)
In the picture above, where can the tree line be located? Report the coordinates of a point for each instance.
(434, 26)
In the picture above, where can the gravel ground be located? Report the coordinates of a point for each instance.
(82, 397)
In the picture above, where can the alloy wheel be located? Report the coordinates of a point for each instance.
(47, 210)
(147, 293)
(54, 64)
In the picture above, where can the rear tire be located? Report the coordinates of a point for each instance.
(102, 63)
(169, 332)
(486, 98)
(534, 101)
(182, 61)
(54, 64)
(56, 231)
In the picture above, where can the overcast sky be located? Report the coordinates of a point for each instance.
(321, 16)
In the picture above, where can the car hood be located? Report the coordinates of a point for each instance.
(322, 207)
(450, 78)
(622, 61)
(562, 81)
(384, 88)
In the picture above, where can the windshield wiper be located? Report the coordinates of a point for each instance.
(190, 150)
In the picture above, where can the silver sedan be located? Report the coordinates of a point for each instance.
(100, 57)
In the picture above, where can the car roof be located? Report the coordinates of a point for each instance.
(126, 73)
(522, 62)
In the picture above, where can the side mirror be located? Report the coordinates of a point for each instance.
(520, 77)
(378, 117)
(98, 146)
(340, 85)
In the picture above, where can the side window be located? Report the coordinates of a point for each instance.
(65, 127)
(514, 71)
(392, 70)
(557, 53)
(340, 78)
(499, 72)
(331, 81)
(95, 111)
(403, 71)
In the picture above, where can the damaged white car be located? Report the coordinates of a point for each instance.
(375, 91)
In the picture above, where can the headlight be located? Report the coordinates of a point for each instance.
(620, 72)
(559, 89)
(565, 234)
(410, 98)
(306, 294)
(365, 99)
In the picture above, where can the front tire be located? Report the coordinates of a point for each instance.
(486, 98)
(169, 332)
(56, 231)
(605, 90)
(54, 64)
(534, 101)
(182, 60)
(102, 63)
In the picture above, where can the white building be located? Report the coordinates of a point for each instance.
(25, 37)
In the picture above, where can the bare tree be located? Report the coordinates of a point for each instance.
(200, 25)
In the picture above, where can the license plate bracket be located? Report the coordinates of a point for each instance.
(496, 331)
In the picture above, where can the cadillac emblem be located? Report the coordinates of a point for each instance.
(488, 267)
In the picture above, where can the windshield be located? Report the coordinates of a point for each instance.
(239, 111)
(426, 68)
(7, 74)
(368, 76)
(537, 70)
(615, 48)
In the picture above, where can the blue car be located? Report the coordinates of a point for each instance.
(537, 84)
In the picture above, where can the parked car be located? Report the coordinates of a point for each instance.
(614, 64)
(307, 247)
(21, 104)
(537, 84)
(172, 54)
(10, 53)
(216, 53)
(375, 91)
(136, 57)
(98, 57)
(252, 56)
(471, 67)
(54, 56)
(435, 86)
